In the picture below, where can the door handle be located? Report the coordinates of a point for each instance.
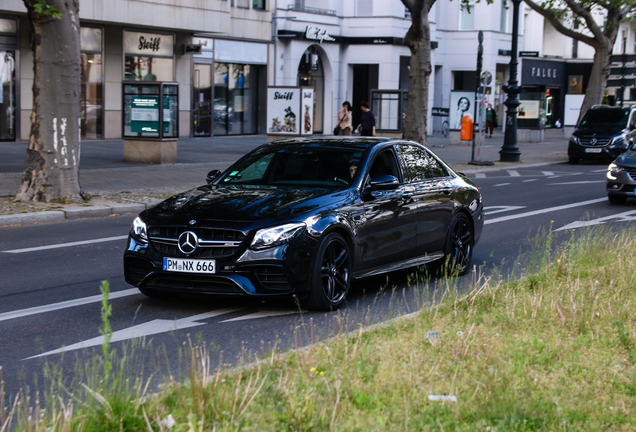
(447, 190)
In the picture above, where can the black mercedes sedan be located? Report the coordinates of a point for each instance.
(305, 217)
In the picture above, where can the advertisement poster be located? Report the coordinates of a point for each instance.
(307, 108)
(461, 104)
(283, 114)
(528, 109)
(144, 114)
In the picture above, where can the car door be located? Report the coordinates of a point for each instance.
(389, 231)
(431, 190)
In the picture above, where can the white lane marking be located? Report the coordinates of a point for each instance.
(480, 175)
(577, 182)
(514, 173)
(62, 245)
(530, 180)
(545, 210)
(490, 210)
(621, 217)
(262, 314)
(146, 329)
(502, 184)
(547, 173)
(65, 304)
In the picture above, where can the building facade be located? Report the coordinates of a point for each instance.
(214, 55)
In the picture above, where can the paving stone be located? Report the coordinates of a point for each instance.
(87, 212)
(128, 208)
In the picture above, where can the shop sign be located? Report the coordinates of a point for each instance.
(542, 73)
(148, 44)
(290, 111)
(144, 116)
(316, 33)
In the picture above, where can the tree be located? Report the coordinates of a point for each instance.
(51, 170)
(418, 39)
(600, 37)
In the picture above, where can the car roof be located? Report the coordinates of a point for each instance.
(356, 142)
(607, 107)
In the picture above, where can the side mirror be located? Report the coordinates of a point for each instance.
(383, 182)
(213, 175)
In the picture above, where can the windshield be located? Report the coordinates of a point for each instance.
(310, 164)
(605, 118)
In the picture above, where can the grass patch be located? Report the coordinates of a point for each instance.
(553, 351)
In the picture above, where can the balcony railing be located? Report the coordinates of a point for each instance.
(299, 8)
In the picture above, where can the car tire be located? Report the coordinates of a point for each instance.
(331, 274)
(458, 252)
(158, 295)
(617, 199)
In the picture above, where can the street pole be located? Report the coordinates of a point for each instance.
(480, 56)
(510, 152)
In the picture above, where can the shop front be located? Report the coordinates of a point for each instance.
(8, 87)
(543, 82)
(229, 84)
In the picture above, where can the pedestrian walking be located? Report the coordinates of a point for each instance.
(367, 122)
(344, 126)
(491, 120)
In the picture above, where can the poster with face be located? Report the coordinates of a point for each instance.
(528, 109)
(283, 110)
(461, 104)
(307, 108)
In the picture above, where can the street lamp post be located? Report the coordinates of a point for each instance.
(510, 152)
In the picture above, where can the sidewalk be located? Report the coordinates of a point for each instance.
(103, 170)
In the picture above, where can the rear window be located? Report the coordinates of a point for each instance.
(605, 117)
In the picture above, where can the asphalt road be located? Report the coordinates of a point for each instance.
(49, 288)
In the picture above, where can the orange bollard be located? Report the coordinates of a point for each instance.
(466, 131)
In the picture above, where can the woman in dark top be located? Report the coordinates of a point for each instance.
(367, 122)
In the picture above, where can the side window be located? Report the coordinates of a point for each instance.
(436, 166)
(385, 164)
(415, 162)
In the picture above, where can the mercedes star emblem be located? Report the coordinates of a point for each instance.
(192, 222)
(188, 242)
(593, 141)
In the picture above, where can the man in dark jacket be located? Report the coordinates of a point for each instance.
(367, 122)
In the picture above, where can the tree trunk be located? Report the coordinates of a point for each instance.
(598, 79)
(418, 39)
(51, 170)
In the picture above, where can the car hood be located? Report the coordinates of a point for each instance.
(606, 131)
(242, 203)
(627, 159)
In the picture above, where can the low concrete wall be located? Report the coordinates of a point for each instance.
(158, 152)
(530, 135)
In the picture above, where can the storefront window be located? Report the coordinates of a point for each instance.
(148, 56)
(235, 106)
(310, 74)
(7, 95)
(139, 68)
(91, 109)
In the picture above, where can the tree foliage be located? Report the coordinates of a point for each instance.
(593, 22)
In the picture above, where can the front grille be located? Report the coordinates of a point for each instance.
(600, 142)
(213, 243)
(631, 172)
(199, 284)
(272, 277)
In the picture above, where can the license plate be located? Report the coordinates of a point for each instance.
(593, 150)
(189, 265)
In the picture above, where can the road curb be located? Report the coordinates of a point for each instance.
(73, 213)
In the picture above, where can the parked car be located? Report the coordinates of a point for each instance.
(603, 133)
(305, 217)
(621, 175)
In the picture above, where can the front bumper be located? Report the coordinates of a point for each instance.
(624, 185)
(276, 271)
(577, 151)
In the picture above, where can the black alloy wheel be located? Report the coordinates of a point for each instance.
(459, 249)
(331, 275)
(617, 199)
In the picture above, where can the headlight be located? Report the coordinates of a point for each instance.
(613, 170)
(275, 236)
(138, 230)
(619, 141)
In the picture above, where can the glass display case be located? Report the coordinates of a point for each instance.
(151, 111)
